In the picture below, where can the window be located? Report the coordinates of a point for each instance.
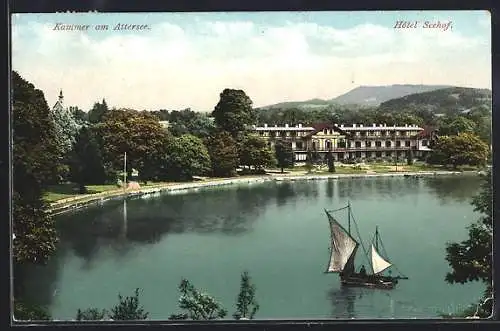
(407, 143)
(358, 154)
(388, 143)
(261, 133)
(298, 145)
(341, 143)
(272, 134)
(325, 131)
(398, 143)
(368, 143)
(378, 144)
(328, 144)
(378, 154)
(425, 143)
(358, 144)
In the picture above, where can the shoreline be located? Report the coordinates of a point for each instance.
(79, 202)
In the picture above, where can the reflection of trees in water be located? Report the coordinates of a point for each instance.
(37, 284)
(453, 189)
(285, 192)
(343, 301)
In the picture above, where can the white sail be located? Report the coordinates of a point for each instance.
(342, 246)
(379, 264)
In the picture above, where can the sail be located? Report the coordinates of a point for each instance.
(379, 264)
(343, 246)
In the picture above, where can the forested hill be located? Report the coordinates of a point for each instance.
(446, 100)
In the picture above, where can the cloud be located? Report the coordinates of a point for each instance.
(177, 66)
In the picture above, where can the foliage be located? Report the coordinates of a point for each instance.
(139, 135)
(128, 308)
(246, 305)
(330, 162)
(309, 161)
(198, 305)
(186, 156)
(455, 125)
(98, 111)
(410, 157)
(79, 115)
(462, 149)
(284, 154)
(234, 112)
(223, 152)
(66, 127)
(471, 259)
(35, 165)
(27, 312)
(86, 165)
(254, 152)
(189, 122)
(91, 314)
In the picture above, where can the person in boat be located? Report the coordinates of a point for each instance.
(362, 271)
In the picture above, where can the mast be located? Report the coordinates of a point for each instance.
(349, 217)
(376, 237)
(125, 171)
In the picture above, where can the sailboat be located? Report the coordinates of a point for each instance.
(343, 251)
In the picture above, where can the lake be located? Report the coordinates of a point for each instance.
(278, 231)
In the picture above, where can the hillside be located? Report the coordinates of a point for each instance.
(362, 96)
(375, 95)
(453, 99)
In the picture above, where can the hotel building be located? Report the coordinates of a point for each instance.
(356, 142)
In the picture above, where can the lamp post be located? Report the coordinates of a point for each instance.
(125, 171)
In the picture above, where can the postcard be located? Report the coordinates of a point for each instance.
(252, 165)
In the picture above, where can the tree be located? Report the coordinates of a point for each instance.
(464, 148)
(139, 134)
(96, 114)
(223, 152)
(451, 126)
(330, 161)
(246, 305)
(66, 127)
(91, 314)
(471, 260)
(186, 156)
(234, 112)
(35, 165)
(410, 157)
(284, 154)
(198, 305)
(87, 165)
(309, 161)
(254, 152)
(26, 312)
(128, 308)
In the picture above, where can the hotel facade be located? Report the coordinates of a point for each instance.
(356, 142)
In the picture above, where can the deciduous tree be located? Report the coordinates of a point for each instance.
(223, 152)
(186, 156)
(284, 154)
(234, 112)
(254, 152)
(462, 149)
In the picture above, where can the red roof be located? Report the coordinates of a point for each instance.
(427, 131)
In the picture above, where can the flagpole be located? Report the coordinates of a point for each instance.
(125, 171)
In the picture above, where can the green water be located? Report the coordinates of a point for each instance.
(275, 230)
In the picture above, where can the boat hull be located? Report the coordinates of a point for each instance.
(378, 282)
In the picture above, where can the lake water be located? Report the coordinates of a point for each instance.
(277, 231)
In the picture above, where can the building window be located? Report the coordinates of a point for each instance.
(283, 133)
(407, 143)
(358, 144)
(328, 144)
(378, 144)
(368, 143)
(398, 143)
(378, 154)
(358, 154)
(272, 134)
(325, 131)
(298, 145)
(341, 143)
(425, 142)
(314, 145)
(261, 133)
(388, 143)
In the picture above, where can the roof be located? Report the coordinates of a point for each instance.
(427, 131)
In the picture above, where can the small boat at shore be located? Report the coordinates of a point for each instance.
(343, 250)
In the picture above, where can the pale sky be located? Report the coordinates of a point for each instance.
(187, 59)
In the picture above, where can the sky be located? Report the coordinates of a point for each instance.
(185, 60)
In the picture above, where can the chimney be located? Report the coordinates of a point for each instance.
(265, 125)
(300, 125)
(341, 125)
(384, 125)
(275, 125)
(361, 125)
(406, 125)
(286, 125)
(374, 125)
(354, 125)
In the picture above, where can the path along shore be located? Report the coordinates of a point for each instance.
(81, 201)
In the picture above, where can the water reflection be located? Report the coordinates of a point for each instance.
(449, 190)
(343, 301)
